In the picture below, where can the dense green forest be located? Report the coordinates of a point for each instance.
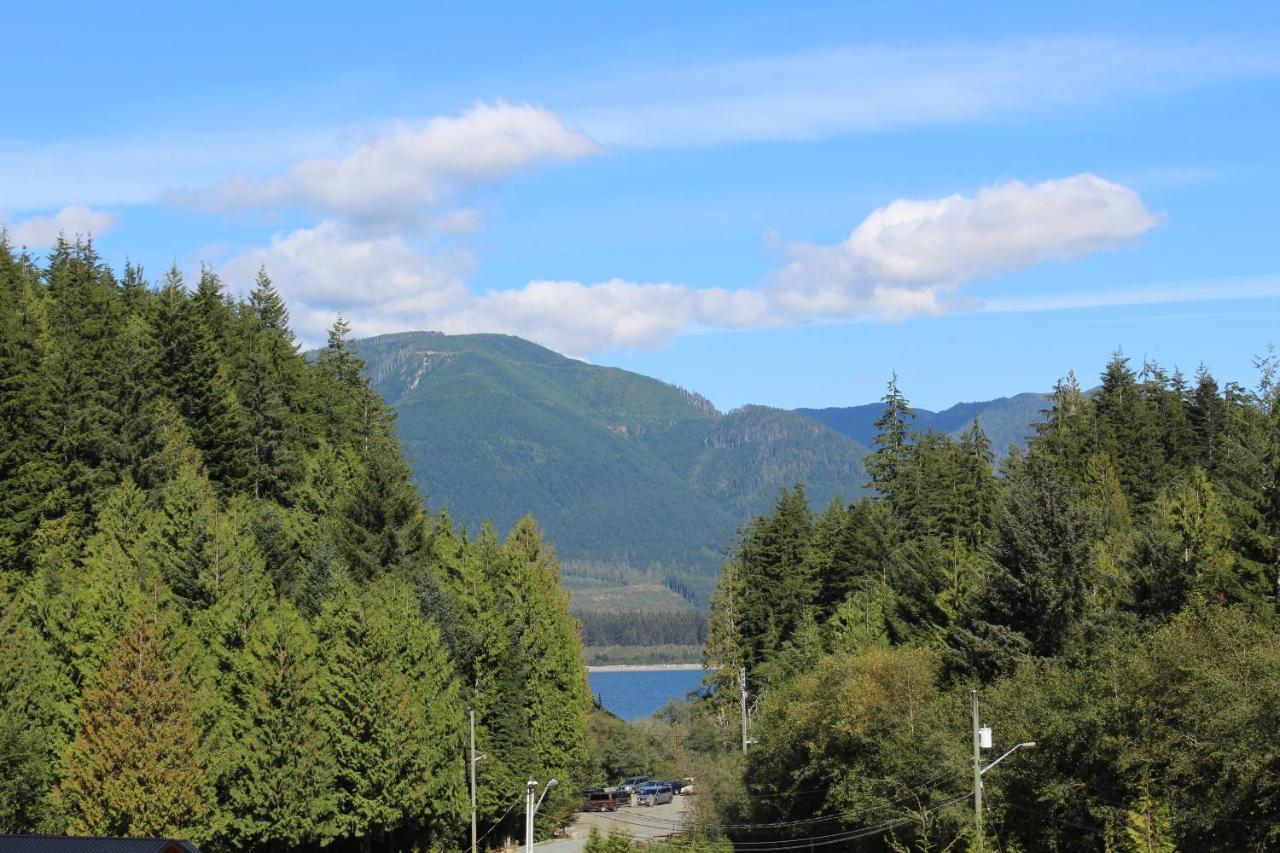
(225, 614)
(1111, 594)
(630, 628)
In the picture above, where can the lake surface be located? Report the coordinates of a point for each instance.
(636, 693)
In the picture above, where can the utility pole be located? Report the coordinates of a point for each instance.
(472, 762)
(530, 788)
(531, 808)
(742, 687)
(977, 777)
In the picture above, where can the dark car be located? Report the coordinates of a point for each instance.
(631, 784)
(676, 785)
(599, 800)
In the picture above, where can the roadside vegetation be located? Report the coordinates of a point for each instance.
(1109, 594)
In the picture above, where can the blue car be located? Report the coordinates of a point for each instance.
(655, 793)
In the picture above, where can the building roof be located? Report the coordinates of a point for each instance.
(87, 844)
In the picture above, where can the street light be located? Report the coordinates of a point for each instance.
(1028, 745)
(531, 808)
(981, 741)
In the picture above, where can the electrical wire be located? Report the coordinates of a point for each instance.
(805, 843)
(662, 822)
(496, 823)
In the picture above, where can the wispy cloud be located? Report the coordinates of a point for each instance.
(1204, 290)
(394, 178)
(123, 170)
(39, 232)
(871, 88)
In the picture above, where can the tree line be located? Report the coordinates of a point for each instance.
(638, 628)
(225, 612)
(1111, 594)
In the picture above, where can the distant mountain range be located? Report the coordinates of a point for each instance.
(1006, 420)
(632, 478)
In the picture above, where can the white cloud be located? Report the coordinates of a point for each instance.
(393, 177)
(907, 257)
(876, 87)
(583, 319)
(384, 283)
(41, 231)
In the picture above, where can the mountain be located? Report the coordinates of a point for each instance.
(632, 478)
(1006, 420)
(640, 484)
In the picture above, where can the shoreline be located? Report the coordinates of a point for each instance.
(644, 667)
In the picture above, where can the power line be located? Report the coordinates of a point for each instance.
(499, 821)
(804, 843)
(661, 821)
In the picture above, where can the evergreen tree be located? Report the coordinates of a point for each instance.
(135, 765)
(27, 466)
(558, 697)
(775, 587)
(1040, 573)
(35, 703)
(269, 378)
(82, 316)
(195, 378)
(381, 526)
(390, 714)
(1066, 435)
(278, 772)
(1207, 412)
(893, 430)
(342, 386)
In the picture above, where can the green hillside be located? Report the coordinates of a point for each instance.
(641, 485)
(626, 473)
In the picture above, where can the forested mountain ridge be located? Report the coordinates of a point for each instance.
(1110, 594)
(625, 472)
(620, 469)
(225, 614)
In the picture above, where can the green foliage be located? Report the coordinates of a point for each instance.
(1111, 596)
(134, 767)
(224, 612)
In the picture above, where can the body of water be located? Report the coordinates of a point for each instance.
(636, 693)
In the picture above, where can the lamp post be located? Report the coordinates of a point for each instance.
(981, 741)
(472, 762)
(531, 808)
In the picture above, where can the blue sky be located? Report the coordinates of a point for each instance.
(765, 203)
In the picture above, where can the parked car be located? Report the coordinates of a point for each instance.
(655, 793)
(629, 786)
(676, 785)
(599, 800)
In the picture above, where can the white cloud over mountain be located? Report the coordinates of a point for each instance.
(908, 258)
(39, 232)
